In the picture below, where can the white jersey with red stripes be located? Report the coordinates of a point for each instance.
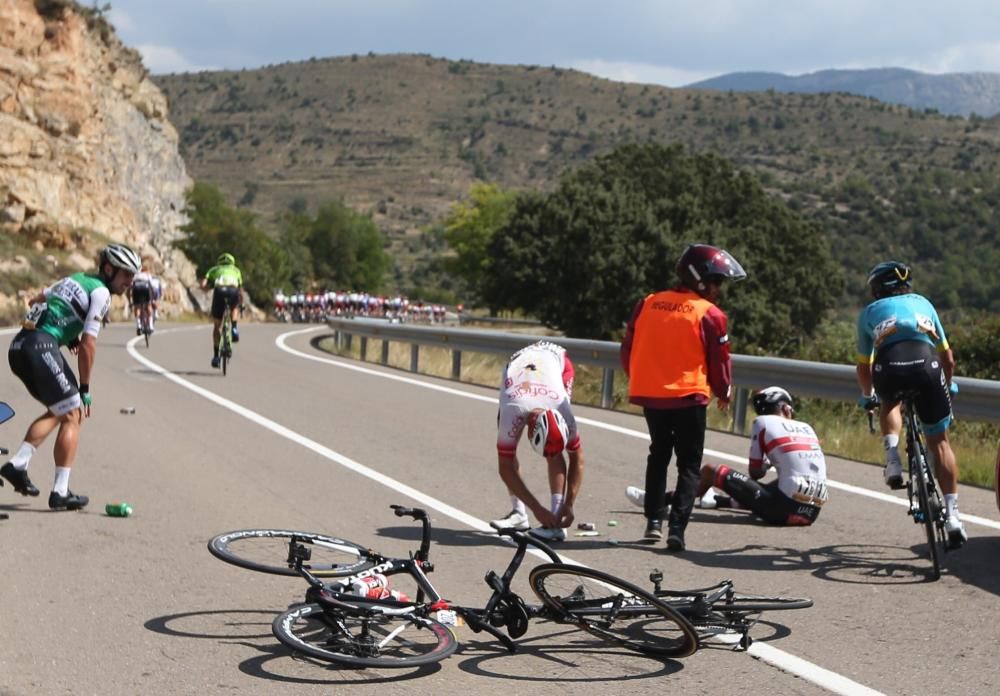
(538, 376)
(793, 449)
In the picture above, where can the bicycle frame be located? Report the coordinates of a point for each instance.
(504, 608)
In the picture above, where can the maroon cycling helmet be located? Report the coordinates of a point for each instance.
(701, 262)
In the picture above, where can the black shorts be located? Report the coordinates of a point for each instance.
(914, 366)
(766, 501)
(34, 356)
(140, 294)
(223, 297)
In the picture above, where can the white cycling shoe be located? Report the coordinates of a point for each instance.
(893, 474)
(635, 495)
(514, 520)
(955, 530)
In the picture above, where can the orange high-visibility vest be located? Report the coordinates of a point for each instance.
(668, 354)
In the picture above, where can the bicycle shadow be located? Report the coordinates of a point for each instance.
(441, 536)
(251, 628)
(868, 564)
(561, 656)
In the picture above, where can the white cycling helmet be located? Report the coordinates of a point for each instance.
(769, 400)
(548, 432)
(121, 256)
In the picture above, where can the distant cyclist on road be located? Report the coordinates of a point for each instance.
(143, 296)
(901, 347)
(68, 313)
(227, 281)
(535, 393)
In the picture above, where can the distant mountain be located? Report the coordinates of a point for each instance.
(961, 94)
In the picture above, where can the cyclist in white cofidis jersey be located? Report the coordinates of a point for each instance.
(535, 391)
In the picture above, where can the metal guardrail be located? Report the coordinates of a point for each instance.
(978, 399)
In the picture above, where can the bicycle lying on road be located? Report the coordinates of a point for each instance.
(339, 625)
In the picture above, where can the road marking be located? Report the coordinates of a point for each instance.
(715, 454)
(820, 676)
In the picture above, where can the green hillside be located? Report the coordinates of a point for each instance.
(404, 136)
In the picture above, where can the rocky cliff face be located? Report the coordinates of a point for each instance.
(86, 150)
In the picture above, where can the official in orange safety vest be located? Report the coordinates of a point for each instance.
(676, 355)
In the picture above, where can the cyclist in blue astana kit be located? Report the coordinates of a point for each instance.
(227, 280)
(69, 313)
(902, 346)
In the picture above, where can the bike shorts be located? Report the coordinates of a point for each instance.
(34, 356)
(140, 294)
(766, 501)
(914, 366)
(223, 297)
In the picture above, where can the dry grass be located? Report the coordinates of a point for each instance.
(843, 428)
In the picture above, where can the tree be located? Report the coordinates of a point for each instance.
(213, 228)
(580, 257)
(347, 249)
(469, 228)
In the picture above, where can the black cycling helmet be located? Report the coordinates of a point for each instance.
(769, 400)
(702, 262)
(120, 256)
(888, 278)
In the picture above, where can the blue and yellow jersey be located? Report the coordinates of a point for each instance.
(909, 317)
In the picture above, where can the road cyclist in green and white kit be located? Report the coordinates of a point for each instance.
(227, 281)
(68, 313)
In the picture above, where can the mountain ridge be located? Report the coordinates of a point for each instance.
(963, 93)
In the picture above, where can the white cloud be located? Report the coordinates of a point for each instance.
(640, 72)
(974, 57)
(165, 59)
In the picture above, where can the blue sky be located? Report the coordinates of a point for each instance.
(668, 42)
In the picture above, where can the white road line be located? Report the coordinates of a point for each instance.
(715, 454)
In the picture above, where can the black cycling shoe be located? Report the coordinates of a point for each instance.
(70, 501)
(654, 530)
(18, 478)
(675, 539)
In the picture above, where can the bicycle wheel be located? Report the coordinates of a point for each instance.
(919, 473)
(379, 640)
(266, 551)
(613, 610)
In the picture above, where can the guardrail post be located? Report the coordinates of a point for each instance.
(414, 357)
(456, 364)
(364, 347)
(337, 339)
(385, 351)
(740, 411)
(607, 387)
(350, 340)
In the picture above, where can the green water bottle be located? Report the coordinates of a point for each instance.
(118, 509)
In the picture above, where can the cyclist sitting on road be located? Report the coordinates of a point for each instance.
(69, 313)
(792, 448)
(777, 440)
(535, 392)
(142, 296)
(227, 282)
(902, 347)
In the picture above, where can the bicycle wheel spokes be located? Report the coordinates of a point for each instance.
(267, 551)
(613, 610)
(377, 640)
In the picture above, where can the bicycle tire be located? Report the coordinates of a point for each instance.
(402, 641)
(755, 603)
(919, 477)
(613, 610)
(266, 551)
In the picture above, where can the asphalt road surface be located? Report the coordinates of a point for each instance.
(293, 437)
